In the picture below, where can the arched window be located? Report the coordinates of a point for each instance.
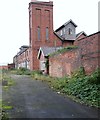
(38, 33)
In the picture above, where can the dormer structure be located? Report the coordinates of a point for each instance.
(67, 31)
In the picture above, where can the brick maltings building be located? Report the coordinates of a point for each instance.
(41, 29)
(41, 34)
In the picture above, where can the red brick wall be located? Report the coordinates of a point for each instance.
(67, 43)
(4, 67)
(56, 41)
(21, 58)
(11, 66)
(81, 36)
(87, 55)
(40, 14)
(90, 52)
(65, 63)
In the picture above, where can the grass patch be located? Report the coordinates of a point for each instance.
(21, 71)
(7, 81)
(0, 104)
(4, 116)
(4, 108)
(5, 88)
(7, 107)
(65, 49)
(10, 82)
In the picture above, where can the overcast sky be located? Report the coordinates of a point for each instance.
(14, 29)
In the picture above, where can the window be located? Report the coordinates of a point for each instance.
(64, 30)
(30, 19)
(27, 53)
(42, 65)
(47, 33)
(38, 33)
(70, 31)
(61, 32)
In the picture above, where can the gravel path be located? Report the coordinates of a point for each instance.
(34, 99)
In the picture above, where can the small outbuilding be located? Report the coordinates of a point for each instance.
(43, 56)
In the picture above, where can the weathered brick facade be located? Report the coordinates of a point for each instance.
(87, 55)
(7, 67)
(11, 66)
(90, 51)
(64, 64)
(40, 20)
(22, 59)
(4, 67)
(41, 34)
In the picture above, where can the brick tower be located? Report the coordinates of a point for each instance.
(40, 29)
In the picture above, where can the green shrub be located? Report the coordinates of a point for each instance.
(95, 77)
(78, 73)
(81, 87)
(37, 72)
(85, 88)
(4, 115)
(65, 49)
(59, 83)
(23, 71)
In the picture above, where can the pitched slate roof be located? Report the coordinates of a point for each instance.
(47, 50)
(80, 33)
(65, 25)
(58, 36)
(22, 49)
(61, 37)
(71, 22)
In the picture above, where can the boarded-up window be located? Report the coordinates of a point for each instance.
(38, 33)
(70, 31)
(47, 33)
(30, 19)
(38, 17)
(42, 65)
(61, 33)
(64, 30)
(47, 17)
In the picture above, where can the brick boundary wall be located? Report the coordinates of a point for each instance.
(64, 64)
(5, 67)
(90, 52)
(87, 55)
